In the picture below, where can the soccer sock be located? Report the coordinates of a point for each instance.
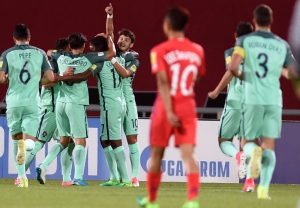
(248, 172)
(111, 162)
(153, 181)
(268, 166)
(134, 159)
(20, 168)
(79, 161)
(121, 162)
(55, 150)
(192, 186)
(228, 148)
(248, 149)
(29, 144)
(66, 162)
(31, 154)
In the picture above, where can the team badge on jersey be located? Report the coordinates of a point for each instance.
(1, 64)
(133, 68)
(94, 67)
(54, 51)
(100, 54)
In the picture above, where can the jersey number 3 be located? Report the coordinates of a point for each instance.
(24, 74)
(264, 60)
(182, 80)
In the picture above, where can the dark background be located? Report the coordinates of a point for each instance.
(212, 25)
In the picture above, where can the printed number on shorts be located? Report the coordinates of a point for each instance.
(135, 123)
(182, 80)
(24, 74)
(264, 60)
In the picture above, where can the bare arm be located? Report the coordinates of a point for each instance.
(234, 65)
(122, 71)
(3, 78)
(111, 49)
(164, 91)
(76, 77)
(49, 53)
(109, 21)
(227, 77)
(48, 78)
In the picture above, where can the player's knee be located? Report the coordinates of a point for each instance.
(221, 140)
(115, 143)
(132, 139)
(104, 143)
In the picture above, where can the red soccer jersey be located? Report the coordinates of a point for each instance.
(184, 61)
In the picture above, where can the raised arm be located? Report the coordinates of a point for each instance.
(109, 21)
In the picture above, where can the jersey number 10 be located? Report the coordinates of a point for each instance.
(182, 80)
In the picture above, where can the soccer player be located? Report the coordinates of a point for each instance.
(47, 126)
(24, 65)
(177, 63)
(113, 110)
(70, 110)
(264, 55)
(231, 116)
(130, 125)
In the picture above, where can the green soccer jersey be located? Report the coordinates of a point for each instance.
(234, 88)
(49, 95)
(109, 85)
(132, 65)
(71, 92)
(24, 64)
(265, 54)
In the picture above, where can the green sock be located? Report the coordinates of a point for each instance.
(134, 159)
(79, 161)
(111, 162)
(248, 149)
(55, 150)
(228, 148)
(268, 166)
(20, 168)
(121, 162)
(66, 162)
(31, 154)
(248, 172)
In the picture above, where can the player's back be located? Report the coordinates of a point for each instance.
(72, 92)
(110, 85)
(25, 64)
(265, 56)
(184, 61)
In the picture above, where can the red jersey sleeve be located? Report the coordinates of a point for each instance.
(157, 60)
(202, 67)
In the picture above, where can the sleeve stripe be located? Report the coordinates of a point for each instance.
(239, 50)
(228, 60)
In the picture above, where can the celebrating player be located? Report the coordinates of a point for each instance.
(70, 110)
(130, 124)
(231, 116)
(176, 63)
(24, 65)
(263, 54)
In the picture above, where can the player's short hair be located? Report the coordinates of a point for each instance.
(61, 44)
(128, 34)
(243, 28)
(21, 32)
(178, 17)
(100, 43)
(263, 15)
(77, 40)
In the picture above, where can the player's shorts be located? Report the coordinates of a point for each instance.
(71, 120)
(161, 130)
(131, 122)
(47, 126)
(261, 120)
(112, 122)
(23, 119)
(230, 123)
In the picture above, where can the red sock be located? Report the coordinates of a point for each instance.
(193, 185)
(153, 180)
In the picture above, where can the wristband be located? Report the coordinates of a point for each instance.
(113, 60)
(110, 16)
(61, 74)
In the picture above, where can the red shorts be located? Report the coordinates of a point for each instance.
(161, 130)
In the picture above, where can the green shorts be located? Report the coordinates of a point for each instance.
(47, 127)
(261, 120)
(23, 119)
(71, 120)
(111, 122)
(131, 122)
(230, 123)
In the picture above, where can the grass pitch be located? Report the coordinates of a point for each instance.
(171, 195)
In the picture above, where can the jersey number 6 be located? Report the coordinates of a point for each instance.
(24, 72)
(175, 68)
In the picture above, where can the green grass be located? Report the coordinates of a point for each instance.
(171, 195)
